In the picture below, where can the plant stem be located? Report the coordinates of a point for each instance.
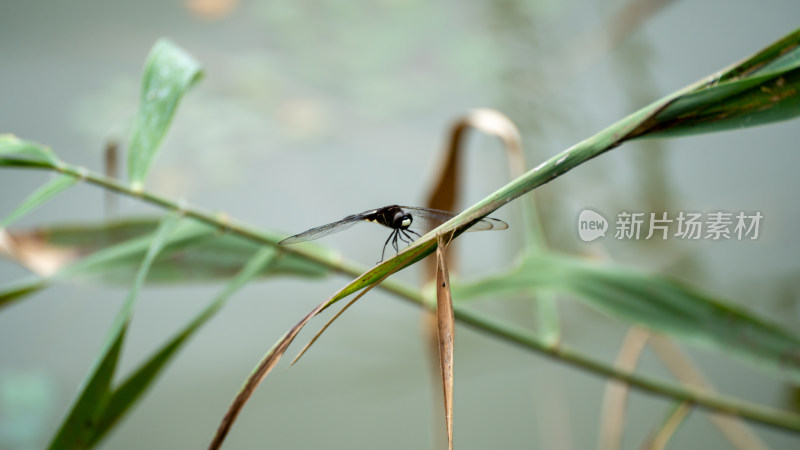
(510, 333)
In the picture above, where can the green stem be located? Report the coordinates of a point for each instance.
(510, 333)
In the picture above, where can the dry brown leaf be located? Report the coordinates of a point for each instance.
(444, 194)
(446, 327)
(33, 251)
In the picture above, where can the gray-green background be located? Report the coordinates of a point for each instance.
(310, 111)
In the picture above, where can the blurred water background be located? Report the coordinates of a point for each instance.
(311, 111)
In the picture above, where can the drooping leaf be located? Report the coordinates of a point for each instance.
(41, 195)
(218, 256)
(124, 397)
(169, 73)
(654, 302)
(86, 413)
(446, 332)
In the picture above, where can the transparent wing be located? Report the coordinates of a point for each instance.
(324, 230)
(426, 219)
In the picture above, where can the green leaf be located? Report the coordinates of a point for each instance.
(83, 419)
(169, 73)
(44, 193)
(654, 302)
(20, 290)
(777, 56)
(214, 256)
(134, 387)
(132, 251)
(15, 151)
(112, 252)
(762, 89)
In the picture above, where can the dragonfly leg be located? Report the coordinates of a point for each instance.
(385, 244)
(408, 236)
(412, 231)
(403, 237)
(394, 241)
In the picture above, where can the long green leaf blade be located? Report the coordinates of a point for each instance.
(132, 389)
(639, 124)
(169, 73)
(84, 417)
(41, 195)
(654, 302)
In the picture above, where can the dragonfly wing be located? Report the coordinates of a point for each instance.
(489, 223)
(426, 219)
(318, 232)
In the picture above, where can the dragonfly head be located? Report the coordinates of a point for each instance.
(401, 220)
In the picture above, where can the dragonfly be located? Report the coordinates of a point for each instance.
(405, 222)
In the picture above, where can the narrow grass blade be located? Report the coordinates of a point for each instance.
(17, 291)
(124, 397)
(86, 413)
(659, 437)
(41, 195)
(656, 303)
(446, 329)
(14, 149)
(274, 355)
(168, 74)
(322, 330)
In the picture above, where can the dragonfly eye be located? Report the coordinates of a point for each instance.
(402, 220)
